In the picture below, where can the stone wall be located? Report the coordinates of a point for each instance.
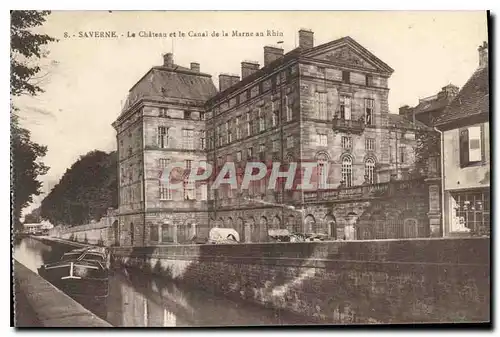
(389, 281)
(101, 233)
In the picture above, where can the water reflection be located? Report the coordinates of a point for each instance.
(138, 300)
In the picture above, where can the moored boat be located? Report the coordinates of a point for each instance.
(80, 272)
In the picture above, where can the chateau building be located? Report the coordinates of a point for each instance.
(326, 104)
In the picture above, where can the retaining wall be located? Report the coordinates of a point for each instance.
(384, 281)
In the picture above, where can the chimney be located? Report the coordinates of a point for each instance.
(403, 111)
(448, 91)
(248, 68)
(483, 55)
(234, 79)
(306, 38)
(225, 81)
(195, 67)
(168, 60)
(271, 54)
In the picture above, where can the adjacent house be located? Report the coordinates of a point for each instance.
(465, 149)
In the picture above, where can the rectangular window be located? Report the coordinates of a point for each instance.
(202, 140)
(262, 148)
(238, 156)
(368, 80)
(288, 108)
(262, 121)
(322, 72)
(238, 127)
(229, 133)
(165, 193)
(370, 144)
(471, 146)
(275, 114)
(320, 105)
(203, 192)
(345, 107)
(249, 124)
(187, 114)
(220, 135)
(164, 162)
(276, 146)
(289, 141)
(322, 140)
(369, 104)
(470, 212)
(346, 76)
(402, 154)
(202, 116)
(189, 191)
(162, 137)
(163, 112)
(250, 152)
(346, 142)
(188, 139)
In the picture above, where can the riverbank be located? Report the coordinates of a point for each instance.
(39, 304)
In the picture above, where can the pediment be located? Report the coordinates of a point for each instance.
(349, 53)
(347, 56)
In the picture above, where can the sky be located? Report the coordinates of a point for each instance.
(86, 80)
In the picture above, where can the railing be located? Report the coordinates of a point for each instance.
(364, 191)
(348, 124)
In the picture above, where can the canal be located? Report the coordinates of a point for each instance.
(145, 301)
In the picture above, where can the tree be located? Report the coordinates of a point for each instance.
(33, 217)
(26, 49)
(427, 154)
(85, 192)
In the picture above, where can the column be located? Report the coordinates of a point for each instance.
(160, 233)
(248, 232)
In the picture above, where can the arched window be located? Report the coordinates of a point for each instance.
(347, 171)
(370, 170)
(322, 161)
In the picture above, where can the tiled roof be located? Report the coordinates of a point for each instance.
(401, 122)
(473, 99)
(176, 82)
(431, 105)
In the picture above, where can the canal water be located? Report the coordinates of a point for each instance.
(145, 301)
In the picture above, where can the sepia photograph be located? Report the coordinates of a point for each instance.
(250, 168)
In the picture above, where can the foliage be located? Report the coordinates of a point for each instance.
(85, 191)
(26, 45)
(33, 217)
(427, 151)
(26, 48)
(26, 168)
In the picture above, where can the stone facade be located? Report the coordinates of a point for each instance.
(325, 104)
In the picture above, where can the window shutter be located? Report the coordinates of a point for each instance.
(475, 144)
(464, 147)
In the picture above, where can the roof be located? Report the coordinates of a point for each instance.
(472, 99)
(432, 105)
(302, 52)
(401, 122)
(176, 82)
